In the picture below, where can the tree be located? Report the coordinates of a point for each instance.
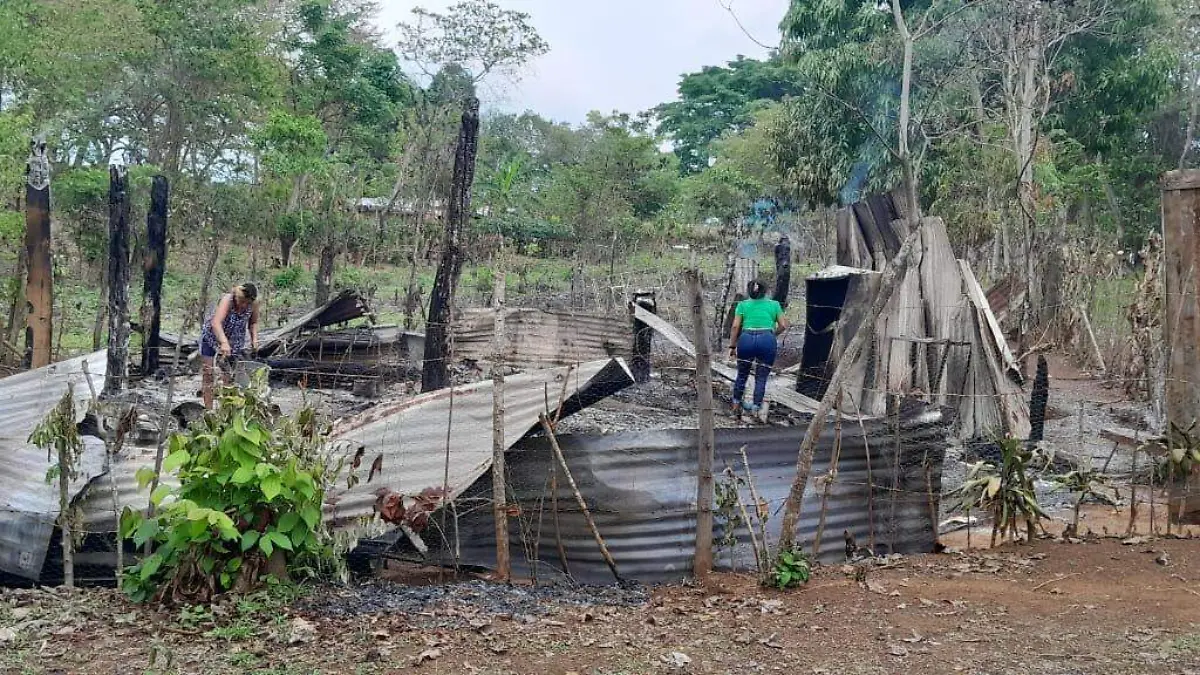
(719, 100)
(477, 35)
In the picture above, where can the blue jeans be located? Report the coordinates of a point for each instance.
(755, 349)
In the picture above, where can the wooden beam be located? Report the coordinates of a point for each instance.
(704, 402)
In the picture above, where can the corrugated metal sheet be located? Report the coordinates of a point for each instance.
(451, 430)
(641, 489)
(539, 339)
(28, 504)
(411, 437)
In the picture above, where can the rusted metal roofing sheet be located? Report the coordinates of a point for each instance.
(28, 504)
(538, 339)
(641, 489)
(444, 438)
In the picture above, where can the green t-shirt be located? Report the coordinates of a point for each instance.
(760, 314)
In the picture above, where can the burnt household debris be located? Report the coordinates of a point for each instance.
(600, 428)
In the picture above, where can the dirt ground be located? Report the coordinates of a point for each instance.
(1051, 607)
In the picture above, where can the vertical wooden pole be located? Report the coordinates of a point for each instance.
(1181, 246)
(39, 285)
(118, 280)
(499, 481)
(704, 396)
(154, 266)
(435, 373)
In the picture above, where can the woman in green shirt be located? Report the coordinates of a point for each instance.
(756, 323)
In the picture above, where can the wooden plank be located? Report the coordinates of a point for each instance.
(778, 390)
(977, 298)
(852, 250)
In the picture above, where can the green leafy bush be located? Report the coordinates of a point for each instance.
(251, 485)
(1006, 492)
(792, 569)
(289, 278)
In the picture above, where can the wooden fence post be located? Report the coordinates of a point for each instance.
(499, 475)
(643, 336)
(153, 268)
(704, 395)
(1181, 327)
(39, 285)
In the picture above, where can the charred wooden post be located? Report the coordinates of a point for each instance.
(154, 266)
(643, 336)
(783, 270)
(436, 371)
(39, 285)
(704, 482)
(118, 280)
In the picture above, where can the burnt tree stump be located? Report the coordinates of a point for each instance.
(118, 280)
(435, 373)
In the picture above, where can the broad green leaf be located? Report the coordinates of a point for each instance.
(144, 476)
(993, 487)
(280, 539)
(249, 539)
(146, 531)
(243, 475)
(311, 515)
(288, 522)
(160, 493)
(271, 487)
(175, 460)
(264, 543)
(151, 566)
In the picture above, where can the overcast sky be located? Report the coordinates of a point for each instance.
(622, 55)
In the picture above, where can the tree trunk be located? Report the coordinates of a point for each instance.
(154, 266)
(436, 372)
(288, 235)
(1028, 56)
(325, 273)
(39, 285)
(118, 277)
(893, 274)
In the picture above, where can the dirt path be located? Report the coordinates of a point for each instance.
(1098, 607)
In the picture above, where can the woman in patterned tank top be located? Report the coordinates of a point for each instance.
(226, 330)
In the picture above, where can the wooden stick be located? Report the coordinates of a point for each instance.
(704, 401)
(587, 514)
(1087, 326)
(499, 482)
(1052, 581)
(758, 561)
(892, 276)
(830, 477)
(163, 424)
(761, 508)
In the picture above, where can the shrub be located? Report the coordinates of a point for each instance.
(251, 485)
(289, 278)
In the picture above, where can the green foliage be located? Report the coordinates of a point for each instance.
(1182, 456)
(58, 435)
(792, 568)
(288, 279)
(1005, 492)
(250, 484)
(719, 100)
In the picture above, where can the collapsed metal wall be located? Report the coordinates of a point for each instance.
(641, 489)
